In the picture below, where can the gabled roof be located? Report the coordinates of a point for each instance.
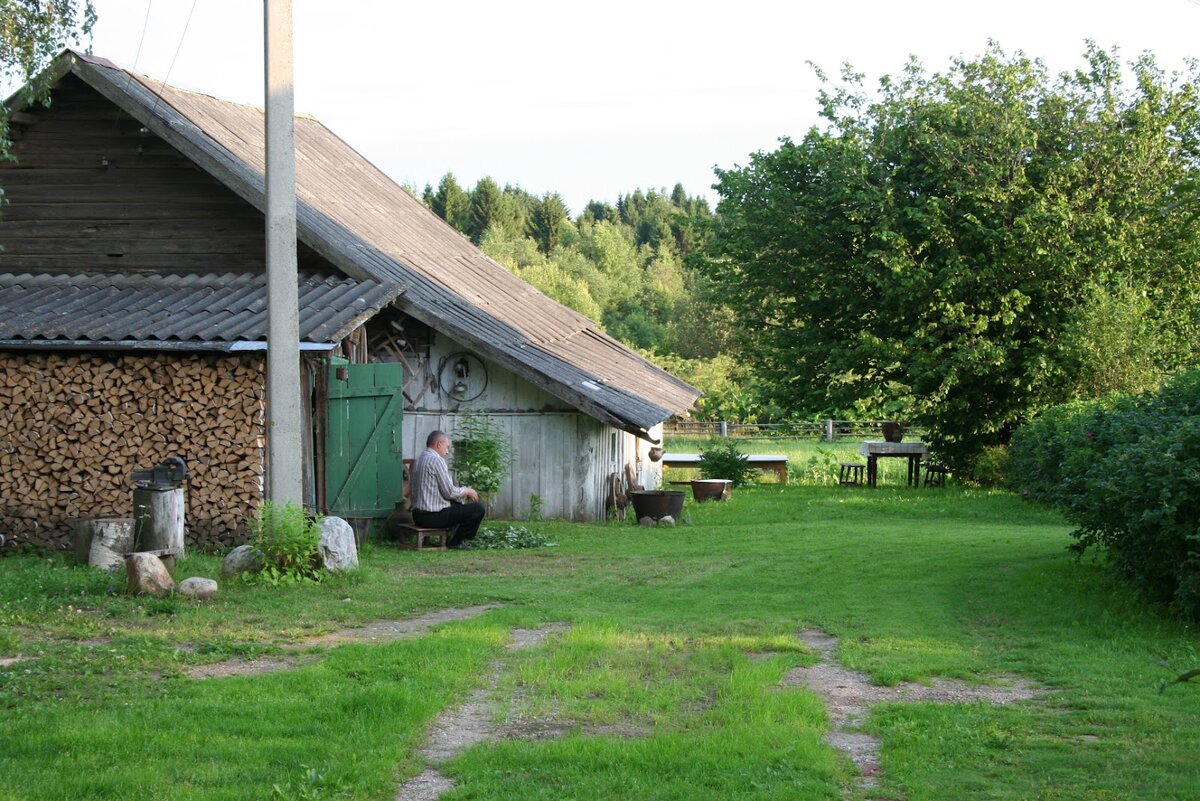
(190, 311)
(370, 228)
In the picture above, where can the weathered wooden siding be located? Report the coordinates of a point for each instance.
(72, 427)
(93, 191)
(560, 455)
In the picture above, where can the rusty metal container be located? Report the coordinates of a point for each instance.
(712, 489)
(657, 503)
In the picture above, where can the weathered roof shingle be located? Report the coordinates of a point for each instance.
(192, 310)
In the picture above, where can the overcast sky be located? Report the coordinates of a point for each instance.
(596, 99)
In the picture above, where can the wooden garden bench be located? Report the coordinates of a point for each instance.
(412, 536)
(764, 461)
(935, 475)
(851, 474)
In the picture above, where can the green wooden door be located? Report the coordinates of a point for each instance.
(364, 461)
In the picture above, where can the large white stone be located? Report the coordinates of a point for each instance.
(147, 575)
(338, 548)
(199, 588)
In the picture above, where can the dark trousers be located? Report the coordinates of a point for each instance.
(463, 517)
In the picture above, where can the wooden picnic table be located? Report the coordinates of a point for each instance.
(765, 461)
(913, 451)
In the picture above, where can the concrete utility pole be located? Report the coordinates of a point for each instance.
(285, 480)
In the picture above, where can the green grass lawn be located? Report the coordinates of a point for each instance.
(667, 678)
(810, 461)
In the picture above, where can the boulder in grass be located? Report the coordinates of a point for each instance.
(667, 520)
(242, 559)
(646, 521)
(147, 575)
(338, 548)
(201, 589)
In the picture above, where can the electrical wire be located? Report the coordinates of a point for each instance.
(145, 25)
(136, 57)
(178, 47)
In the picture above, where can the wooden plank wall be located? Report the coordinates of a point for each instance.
(74, 426)
(93, 191)
(560, 454)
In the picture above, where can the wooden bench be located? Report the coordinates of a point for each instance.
(851, 474)
(412, 536)
(935, 475)
(416, 538)
(764, 461)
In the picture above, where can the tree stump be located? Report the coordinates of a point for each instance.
(159, 515)
(103, 541)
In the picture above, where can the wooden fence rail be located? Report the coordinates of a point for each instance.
(828, 430)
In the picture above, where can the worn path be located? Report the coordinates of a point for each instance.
(378, 631)
(458, 729)
(848, 695)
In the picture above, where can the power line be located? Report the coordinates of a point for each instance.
(137, 56)
(145, 25)
(178, 47)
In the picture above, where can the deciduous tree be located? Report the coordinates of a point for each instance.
(932, 243)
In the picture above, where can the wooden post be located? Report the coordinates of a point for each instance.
(159, 515)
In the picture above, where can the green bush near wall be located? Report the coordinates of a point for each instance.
(1126, 471)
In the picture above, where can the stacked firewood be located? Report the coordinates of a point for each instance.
(73, 427)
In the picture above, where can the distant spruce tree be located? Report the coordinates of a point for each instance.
(487, 206)
(598, 211)
(452, 203)
(549, 218)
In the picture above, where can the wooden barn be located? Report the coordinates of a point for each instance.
(133, 324)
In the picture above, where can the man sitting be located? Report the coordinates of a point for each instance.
(436, 502)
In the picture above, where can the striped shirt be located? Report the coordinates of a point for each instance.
(430, 484)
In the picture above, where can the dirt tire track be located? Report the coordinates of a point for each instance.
(848, 695)
(458, 729)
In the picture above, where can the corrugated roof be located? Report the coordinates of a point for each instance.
(202, 310)
(369, 227)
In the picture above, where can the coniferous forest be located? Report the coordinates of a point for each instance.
(626, 266)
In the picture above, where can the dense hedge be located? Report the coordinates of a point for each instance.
(1126, 471)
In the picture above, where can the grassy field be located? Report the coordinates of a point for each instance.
(667, 680)
(810, 461)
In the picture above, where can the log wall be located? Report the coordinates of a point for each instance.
(74, 426)
(92, 190)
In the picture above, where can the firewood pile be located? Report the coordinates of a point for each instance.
(74, 426)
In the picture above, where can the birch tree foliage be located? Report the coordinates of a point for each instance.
(32, 33)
